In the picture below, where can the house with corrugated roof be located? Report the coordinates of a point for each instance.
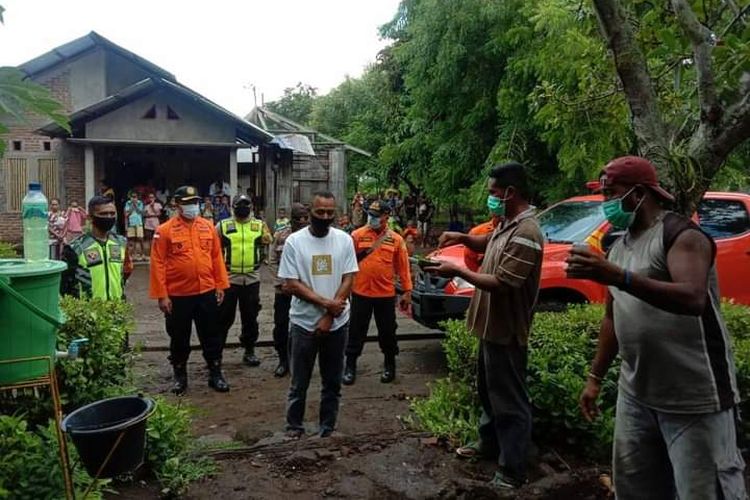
(134, 124)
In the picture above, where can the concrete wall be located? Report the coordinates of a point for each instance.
(194, 125)
(121, 73)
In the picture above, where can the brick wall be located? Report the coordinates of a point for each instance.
(32, 147)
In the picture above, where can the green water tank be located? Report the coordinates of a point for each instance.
(29, 317)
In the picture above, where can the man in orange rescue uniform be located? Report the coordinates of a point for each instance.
(472, 259)
(381, 254)
(188, 277)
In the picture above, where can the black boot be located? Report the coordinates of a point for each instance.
(350, 372)
(250, 359)
(180, 384)
(389, 369)
(283, 367)
(216, 378)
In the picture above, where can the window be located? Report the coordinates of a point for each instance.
(171, 115)
(570, 221)
(48, 177)
(150, 114)
(16, 177)
(723, 218)
(16, 145)
(47, 145)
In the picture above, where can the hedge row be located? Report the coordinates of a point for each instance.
(561, 348)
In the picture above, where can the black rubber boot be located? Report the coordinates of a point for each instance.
(389, 369)
(350, 372)
(216, 378)
(250, 359)
(179, 373)
(283, 367)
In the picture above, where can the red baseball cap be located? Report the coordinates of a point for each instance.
(632, 170)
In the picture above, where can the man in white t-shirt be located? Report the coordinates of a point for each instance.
(318, 267)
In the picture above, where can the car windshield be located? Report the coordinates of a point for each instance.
(570, 221)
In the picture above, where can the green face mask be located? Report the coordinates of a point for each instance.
(617, 215)
(496, 205)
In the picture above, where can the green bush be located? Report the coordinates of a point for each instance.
(169, 453)
(30, 466)
(461, 350)
(7, 250)
(561, 348)
(451, 412)
(104, 370)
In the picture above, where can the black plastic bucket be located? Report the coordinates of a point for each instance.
(96, 428)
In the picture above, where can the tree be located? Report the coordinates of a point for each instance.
(20, 97)
(712, 80)
(296, 104)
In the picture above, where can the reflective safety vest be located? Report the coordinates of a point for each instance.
(99, 270)
(242, 244)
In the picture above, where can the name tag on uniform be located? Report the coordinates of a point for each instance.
(231, 227)
(93, 257)
(116, 252)
(255, 226)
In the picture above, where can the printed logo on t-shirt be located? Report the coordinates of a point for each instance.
(322, 265)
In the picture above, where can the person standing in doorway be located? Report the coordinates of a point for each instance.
(55, 228)
(134, 219)
(500, 314)
(207, 209)
(282, 298)
(188, 278)
(318, 265)
(242, 239)
(223, 209)
(675, 423)
(381, 255)
(152, 216)
(98, 260)
(75, 218)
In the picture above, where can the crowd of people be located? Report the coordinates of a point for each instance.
(675, 428)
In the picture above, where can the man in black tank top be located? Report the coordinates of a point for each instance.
(675, 433)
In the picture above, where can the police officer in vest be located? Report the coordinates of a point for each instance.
(98, 260)
(243, 238)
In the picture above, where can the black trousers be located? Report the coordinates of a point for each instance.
(362, 311)
(281, 305)
(505, 425)
(248, 297)
(204, 311)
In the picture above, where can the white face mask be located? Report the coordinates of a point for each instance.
(190, 211)
(373, 221)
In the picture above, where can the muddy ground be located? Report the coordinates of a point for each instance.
(374, 454)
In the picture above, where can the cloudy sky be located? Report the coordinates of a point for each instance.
(219, 48)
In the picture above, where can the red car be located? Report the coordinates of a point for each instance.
(724, 216)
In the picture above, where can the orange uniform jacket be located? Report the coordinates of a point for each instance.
(376, 271)
(472, 259)
(186, 259)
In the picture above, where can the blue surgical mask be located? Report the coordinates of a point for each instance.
(190, 211)
(373, 222)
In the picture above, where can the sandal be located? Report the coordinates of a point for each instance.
(472, 450)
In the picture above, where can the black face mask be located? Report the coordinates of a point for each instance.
(103, 223)
(242, 212)
(320, 225)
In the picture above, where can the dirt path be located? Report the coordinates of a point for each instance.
(374, 454)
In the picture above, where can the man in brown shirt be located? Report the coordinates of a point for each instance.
(500, 314)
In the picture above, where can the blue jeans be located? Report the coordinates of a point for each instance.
(304, 346)
(668, 455)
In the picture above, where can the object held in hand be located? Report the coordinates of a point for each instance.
(427, 263)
